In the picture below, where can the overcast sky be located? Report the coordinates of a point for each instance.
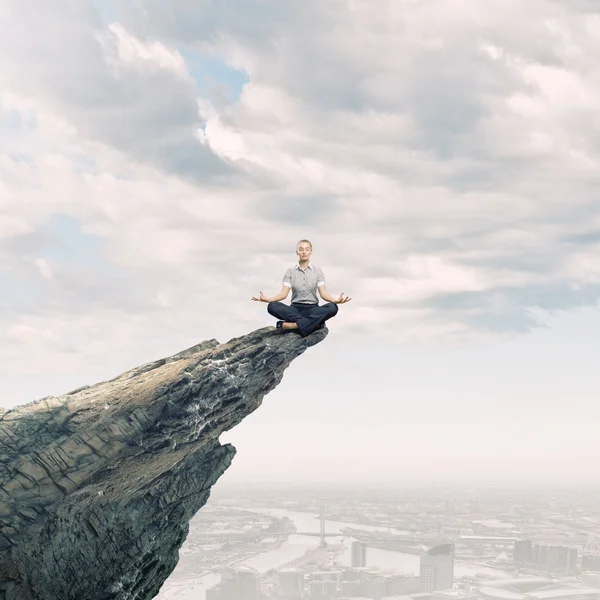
(159, 161)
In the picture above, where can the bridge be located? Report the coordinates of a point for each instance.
(417, 538)
(268, 533)
(465, 539)
(486, 539)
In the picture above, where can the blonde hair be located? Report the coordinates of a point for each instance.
(307, 241)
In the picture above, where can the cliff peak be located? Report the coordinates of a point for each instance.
(97, 486)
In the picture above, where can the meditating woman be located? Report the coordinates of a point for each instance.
(304, 279)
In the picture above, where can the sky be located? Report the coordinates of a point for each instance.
(159, 162)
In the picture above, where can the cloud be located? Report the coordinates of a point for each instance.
(442, 160)
(132, 95)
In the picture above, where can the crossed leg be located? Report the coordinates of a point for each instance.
(284, 312)
(306, 320)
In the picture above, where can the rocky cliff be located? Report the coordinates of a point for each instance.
(97, 487)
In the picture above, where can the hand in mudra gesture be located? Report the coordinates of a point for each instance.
(341, 299)
(262, 298)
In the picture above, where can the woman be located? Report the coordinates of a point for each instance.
(304, 312)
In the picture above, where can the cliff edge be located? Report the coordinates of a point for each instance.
(97, 487)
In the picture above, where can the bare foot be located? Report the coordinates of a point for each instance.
(286, 325)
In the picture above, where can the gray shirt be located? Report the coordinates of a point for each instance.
(304, 284)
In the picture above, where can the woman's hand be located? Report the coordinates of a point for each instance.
(260, 299)
(341, 299)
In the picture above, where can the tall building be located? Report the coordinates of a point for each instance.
(358, 557)
(248, 584)
(542, 556)
(241, 583)
(553, 558)
(437, 568)
(590, 562)
(572, 561)
(291, 582)
(556, 559)
(353, 582)
(323, 543)
(522, 552)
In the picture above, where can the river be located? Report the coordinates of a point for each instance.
(177, 588)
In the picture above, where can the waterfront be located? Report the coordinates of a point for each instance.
(189, 587)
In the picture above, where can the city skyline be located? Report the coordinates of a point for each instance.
(476, 544)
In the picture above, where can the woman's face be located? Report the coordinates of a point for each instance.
(304, 251)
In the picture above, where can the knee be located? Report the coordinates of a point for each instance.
(333, 308)
(272, 306)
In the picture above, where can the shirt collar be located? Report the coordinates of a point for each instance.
(309, 266)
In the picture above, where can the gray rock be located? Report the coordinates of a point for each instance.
(97, 487)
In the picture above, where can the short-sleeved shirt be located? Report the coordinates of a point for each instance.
(304, 284)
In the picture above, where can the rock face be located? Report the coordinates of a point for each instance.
(97, 487)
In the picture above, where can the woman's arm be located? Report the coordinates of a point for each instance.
(282, 295)
(329, 298)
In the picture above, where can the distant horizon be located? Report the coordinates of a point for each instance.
(458, 485)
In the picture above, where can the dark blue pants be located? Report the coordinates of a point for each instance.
(307, 316)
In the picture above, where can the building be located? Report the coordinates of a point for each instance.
(242, 583)
(291, 582)
(322, 589)
(352, 589)
(248, 584)
(400, 585)
(326, 576)
(437, 568)
(590, 562)
(572, 561)
(522, 552)
(358, 556)
(561, 560)
(553, 558)
(536, 589)
(356, 574)
(324, 584)
(376, 587)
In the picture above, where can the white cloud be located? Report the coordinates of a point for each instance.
(44, 267)
(140, 101)
(120, 46)
(443, 161)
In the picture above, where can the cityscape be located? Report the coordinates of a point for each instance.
(278, 542)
